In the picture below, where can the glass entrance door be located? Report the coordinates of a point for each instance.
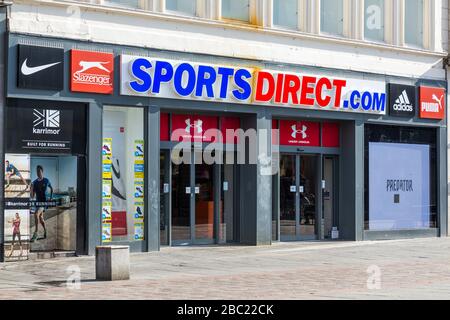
(204, 203)
(197, 207)
(298, 188)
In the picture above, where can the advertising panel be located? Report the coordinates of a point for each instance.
(92, 72)
(46, 127)
(300, 133)
(402, 100)
(144, 76)
(17, 212)
(432, 103)
(399, 186)
(40, 68)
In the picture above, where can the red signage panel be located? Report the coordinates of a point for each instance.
(432, 103)
(330, 135)
(299, 133)
(230, 123)
(194, 128)
(164, 127)
(92, 72)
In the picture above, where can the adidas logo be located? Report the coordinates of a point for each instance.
(402, 103)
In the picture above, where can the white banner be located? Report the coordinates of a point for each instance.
(399, 186)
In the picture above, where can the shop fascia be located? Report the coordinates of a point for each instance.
(144, 76)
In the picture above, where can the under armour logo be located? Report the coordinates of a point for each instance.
(302, 131)
(196, 125)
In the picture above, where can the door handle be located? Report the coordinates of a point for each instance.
(188, 190)
(293, 189)
(301, 189)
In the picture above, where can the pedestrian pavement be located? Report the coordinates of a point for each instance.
(398, 269)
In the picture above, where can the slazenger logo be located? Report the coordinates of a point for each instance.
(301, 131)
(46, 121)
(402, 103)
(198, 125)
(435, 106)
(82, 77)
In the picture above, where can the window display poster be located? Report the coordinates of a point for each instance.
(106, 211)
(53, 214)
(17, 234)
(139, 189)
(139, 210)
(17, 211)
(106, 232)
(399, 186)
(106, 189)
(107, 149)
(139, 149)
(139, 231)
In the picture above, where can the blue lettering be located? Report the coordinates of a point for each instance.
(178, 79)
(139, 70)
(379, 101)
(161, 76)
(355, 98)
(225, 73)
(205, 81)
(366, 101)
(245, 89)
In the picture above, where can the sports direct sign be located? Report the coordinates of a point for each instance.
(144, 76)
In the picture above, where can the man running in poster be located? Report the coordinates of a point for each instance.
(12, 171)
(39, 190)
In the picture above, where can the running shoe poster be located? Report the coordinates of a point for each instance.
(17, 213)
(53, 199)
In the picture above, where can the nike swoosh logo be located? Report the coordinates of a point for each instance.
(26, 70)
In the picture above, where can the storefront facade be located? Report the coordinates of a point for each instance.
(339, 154)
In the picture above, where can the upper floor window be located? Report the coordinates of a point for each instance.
(236, 10)
(285, 13)
(123, 3)
(332, 17)
(374, 20)
(187, 7)
(414, 22)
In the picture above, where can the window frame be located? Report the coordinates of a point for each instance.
(200, 8)
(254, 14)
(346, 16)
(428, 21)
(388, 22)
(302, 7)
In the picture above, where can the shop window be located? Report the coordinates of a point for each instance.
(123, 174)
(332, 17)
(123, 3)
(285, 13)
(374, 20)
(400, 178)
(236, 10)
(414, 22)
(186, 7)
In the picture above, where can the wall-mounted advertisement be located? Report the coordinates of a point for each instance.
(53, 203)
(399, 186)
(17, 213)
(45, 127)
(123, 154)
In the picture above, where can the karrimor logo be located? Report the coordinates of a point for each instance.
(92, 72)
(301, 131)
(197, 125)
(432, 103)
(46, 121)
